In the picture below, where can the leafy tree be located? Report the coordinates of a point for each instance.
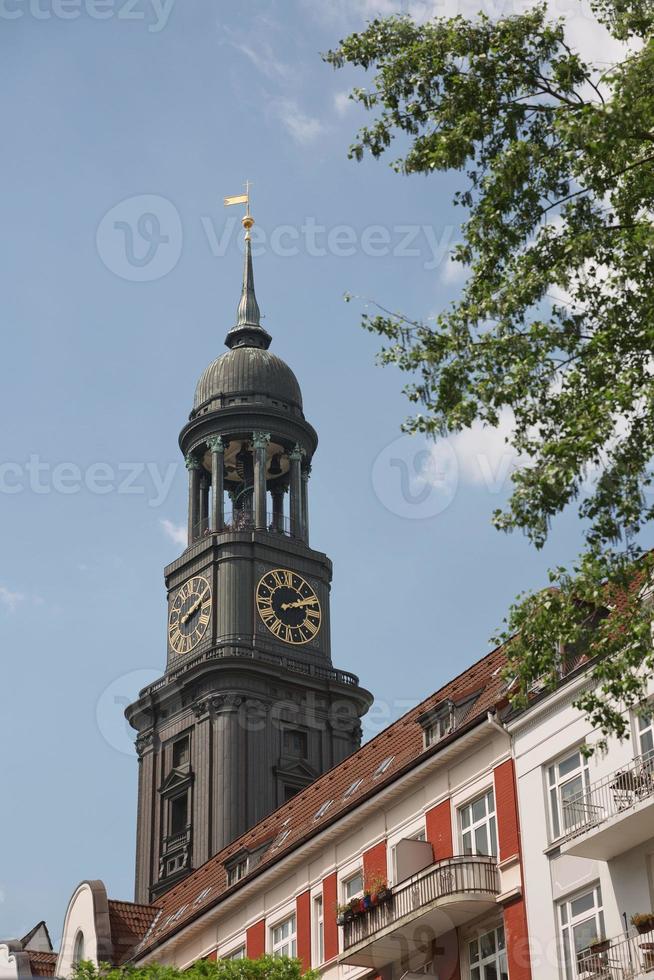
(554, 326)
(266, 968)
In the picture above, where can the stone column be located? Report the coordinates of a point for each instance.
(260, 442)
(306, 473)
(193, 466)
(277, 493)
(217, 447)
(204, 501)
(295, 459)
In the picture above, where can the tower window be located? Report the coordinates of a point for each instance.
(78, 950)
(181, 753)
(295, 743)
(178, 814)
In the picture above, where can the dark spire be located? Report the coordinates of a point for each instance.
(248, 331)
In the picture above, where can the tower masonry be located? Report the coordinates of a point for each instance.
(250, 708)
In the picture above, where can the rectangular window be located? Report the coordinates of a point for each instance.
(235, 954)
(295, 743)
(488, 956)
(478, 826)
(581, 922)
(567, 782)
(353, 887)
(181, 753)
(178, 815)
(237, 871)
(284, 939)
(439, 728)
(318, 931)
(645, 726)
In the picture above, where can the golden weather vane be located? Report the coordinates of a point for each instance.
(247, 221)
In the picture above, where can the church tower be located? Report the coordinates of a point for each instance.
(250, 708)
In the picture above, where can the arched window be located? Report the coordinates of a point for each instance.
(78, 949)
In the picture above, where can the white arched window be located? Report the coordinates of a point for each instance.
(78, 949)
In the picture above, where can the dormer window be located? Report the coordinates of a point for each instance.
(438, 723)
(237, 870)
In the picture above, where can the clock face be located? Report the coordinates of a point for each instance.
(189, 616)
(288, 606)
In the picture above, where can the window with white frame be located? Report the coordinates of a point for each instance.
(235, 954)
(237, 871)
(645, 728)
(567, 781)
(581, 923)
(487, 955)
(353, 886)
(318, 931)
(284, 938)
(440, 726)
(478, 826)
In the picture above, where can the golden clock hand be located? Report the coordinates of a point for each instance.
(299, 603)
(196, 605)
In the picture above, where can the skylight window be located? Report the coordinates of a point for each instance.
(280, 840)
(201, 897)
(323, 809)
(383, 766)
(352, 788)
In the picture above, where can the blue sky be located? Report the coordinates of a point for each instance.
(124, 127)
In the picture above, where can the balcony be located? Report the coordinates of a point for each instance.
(621, 958)
(243, 520)
(420, 909)
(614, 814)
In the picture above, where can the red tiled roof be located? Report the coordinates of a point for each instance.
(42, 964)
(296, 820)
(129, 924)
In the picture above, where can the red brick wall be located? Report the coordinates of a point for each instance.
(212, 956)
(329, 902)
(508, 838)
(439, 830)
(506, 808)
(517, 941)
(303, 925)
(374, 864)
(255, 942)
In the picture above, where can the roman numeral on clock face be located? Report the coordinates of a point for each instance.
(288, 606)
(190, 614)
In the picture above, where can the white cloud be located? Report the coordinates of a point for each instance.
(342, 102)
(453, 272)
(484, 457)
(9, 599)
(302, 127)
(259, 53)
(176, 532)
(584, 31)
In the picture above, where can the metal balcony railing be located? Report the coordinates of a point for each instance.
(454, 876)
(624, 957)
(232, 647)
(608, 797)
(242, 520)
